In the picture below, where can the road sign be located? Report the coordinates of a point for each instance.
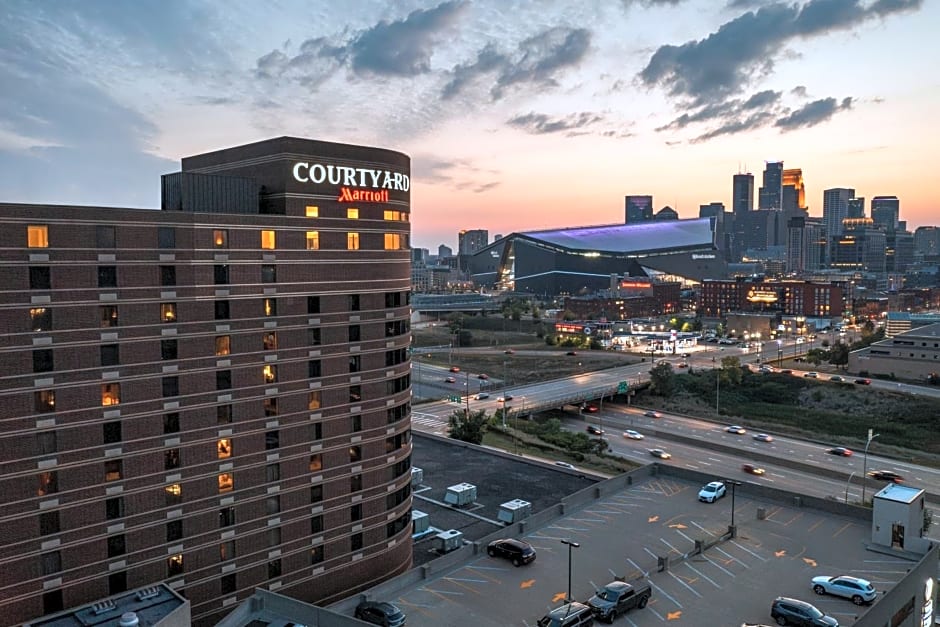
(622, 387)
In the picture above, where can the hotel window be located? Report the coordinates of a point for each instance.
(110, 394)
(355, 454)
(312, 212)
(355, 542)
(171, 459)
(220, 238)
(173, 494)
(270, 307)
(48, 442)
(314, 401)
(114, 508)
(221, 310)
(171, 386)
(352, 214)
(169, 349)
(267, 240)
(268, 274)
(108, 316)
(227, 552)
(274, 569)
(316, 494)
(272, 440)
(355, 393)
(355, 423)
(274, 536)
(316, 554)
(313, 304)
(223, 380)
(272, 472)
(116, 545)
(355, 512)
(355, 363)
(314, 337)
(110, 354)
(51, 563)
(220, 274)
(226, 482)
(392, 241)
(168, 312)
(269, 341)
(37, 236)
(270, 406)
(352, 241)
(223, 345)
(223, 414)
(171, 423)
(174, 531)
(316, 431)
(49, 523)
(42, 360)
(107, 276)
(355, 483)
(174, 565)
(224, 447)
(40, 278)
(113, 470)
(48, 483)
(272, 505)
(314, 369)
(40, 319)
(391, 215)
(353, 300)
(111, 432)
(316, 524)
(166, 237)
(316, 462)
(313, 240)
(269, 373)
(355, 333)
(227, 517)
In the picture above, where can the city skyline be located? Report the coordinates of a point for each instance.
(517, 117)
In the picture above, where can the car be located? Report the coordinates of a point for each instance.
(571, 353)
(683, 364)
(863, 381)
(752, 469)
(450, 380)
(711, 492)
(788, 611)
(735, 429)
(811, 374)
(380, 613)
(509, 351)
(504, 398)
(455, 369)
(632, 435)
(837, 378)
(572, 614)
(619, 597)
(483, 377)
(786, 371)
(482, 395)
(565, 465)
(840, 451)
(594, 430)
(886, 475)
(518, 552)
(590, 409)
(763, 437)
(660, 453)
(860, 591)
(652, 414)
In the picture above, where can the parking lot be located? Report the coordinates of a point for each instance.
(628, 533)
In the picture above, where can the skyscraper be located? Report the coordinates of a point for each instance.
(742, 194)
(770, 195)
(637, 209)
(886, 211)
(856, 208)
(472, 241)
(794, 191)
(836, 209)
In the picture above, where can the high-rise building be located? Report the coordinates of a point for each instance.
(742, 194)
(886, 211)
(856, 208)
(927, 241)
(806, 244)
(861, 247)
(637, 209)
(215, 395)
(444, 251)
(836, 209)
(770, 195)
(470, 242)
(794, 191)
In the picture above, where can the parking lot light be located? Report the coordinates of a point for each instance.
(733, 485)
(571, 545)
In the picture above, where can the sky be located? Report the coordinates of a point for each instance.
(517, 115)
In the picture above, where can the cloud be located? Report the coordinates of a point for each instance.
(813, 113)
(488, 59)
(733, 126)
(799, 91)
(745, 48)
(540, 123)
(457, 173)
(729, 112)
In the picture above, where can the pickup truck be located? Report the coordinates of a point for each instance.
(619, 597)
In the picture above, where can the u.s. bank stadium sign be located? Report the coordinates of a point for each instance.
(351, 181)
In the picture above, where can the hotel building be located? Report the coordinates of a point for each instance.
(215, 395)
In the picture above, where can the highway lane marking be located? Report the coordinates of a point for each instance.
(679, 579)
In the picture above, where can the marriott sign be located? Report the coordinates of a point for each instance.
(350, 177)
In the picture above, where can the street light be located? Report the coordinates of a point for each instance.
(733, 484)
(847, 486)
(865, 463)
(571, 545)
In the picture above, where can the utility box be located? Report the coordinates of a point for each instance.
(417, 477)
(447, 541)
(461, 494)
(514, 511)
(419, 522)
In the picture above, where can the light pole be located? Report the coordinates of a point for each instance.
(571, 545)
(717, 387)
(865, 462)
(780, 352)
(733, 484)
(847, 486)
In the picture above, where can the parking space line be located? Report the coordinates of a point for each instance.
(691, 589)
(721, 568)
(686, 537)
(588, 520)
(565, 529)
(730, 557)
(700, 574)
(663, 540)
(662, 592)
(846, 526)
(655, 613)
(655, 557)
(744, 548)
(484, 575)
(645, 573)
(703, 528)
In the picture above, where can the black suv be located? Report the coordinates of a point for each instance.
(380, 613)
(518, 552)
(795, 612)
(619, 597)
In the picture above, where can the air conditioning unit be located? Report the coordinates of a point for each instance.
(461, 494)
(514, 511)
(447, 541)
(417, 477)
(419, 522)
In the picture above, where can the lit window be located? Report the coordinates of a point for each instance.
(174, 565)
(270, 307)
(392, 241)
(48, 483)
(168, 312)
(270, 373)
(223, 345)
(352, 214)
(45, 401)
(112, 470)
(313, 240)
(352, 241)
(110, 394)
(312, 212)
(220, 238)
(391, 215)
(226, 482)
(314, 401)
(37, 236)
(109, 316)
(225, 448)
(355, 453)
(174, 494)
(40, 319)
(267, 240)
(316, 462)
(269, 340)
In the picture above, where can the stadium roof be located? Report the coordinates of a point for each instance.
(651, 236)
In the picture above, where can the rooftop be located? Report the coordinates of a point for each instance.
(650, 236)
(154, 605)
(899, 493)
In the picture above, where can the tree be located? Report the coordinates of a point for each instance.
(731, 371)
(468, 427)
(662, 379)
(816, 356)
(464, 338)
(455, 322)
(839, 354)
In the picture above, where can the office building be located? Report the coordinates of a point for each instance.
(770, 195)
(855, 208)
(215, 395)
(836, 209)
(742, 194)
(886, 211)
(444, 251)
(637, 209)
(860, 247)
(793, 190)
(806, 245)
(927, 241)
(470, 242)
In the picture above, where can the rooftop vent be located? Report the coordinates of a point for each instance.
(514, 511)
(102, 607)
(419, 521)
(417, 477)
(461, 494)
(148, 593)
(447, 541)
(129, 619)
